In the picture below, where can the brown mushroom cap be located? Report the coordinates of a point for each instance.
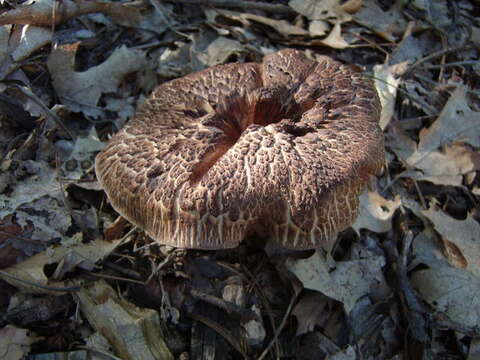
(282, 148)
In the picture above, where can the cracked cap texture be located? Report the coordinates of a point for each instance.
(281, 148)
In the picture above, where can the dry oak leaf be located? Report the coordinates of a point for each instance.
(48, 12)
(133, 332)
(452, 291)
(326, 9)
(444, 166)
(347, 283)
(386, 82)
(376, 212)
(457, 122)
(80, 91)
(15, 343)
(458, 235)
(387, 24)
(32, 269)
(282, 27)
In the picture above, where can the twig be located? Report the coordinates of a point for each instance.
(236, 343)
(35, 284)
(452, 64)
(436, 55)
(113, 277)
(103, 353)
(160, 10)
(248, 5)
(27, 92)
(280, 328)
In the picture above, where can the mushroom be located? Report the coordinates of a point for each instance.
(281, 148)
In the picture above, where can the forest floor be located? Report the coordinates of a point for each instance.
(78, 281)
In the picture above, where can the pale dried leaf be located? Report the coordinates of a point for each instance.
(43, 183)
(218, 51)
(80, 91)
(282, 27)
(83, 155)
(27, 39)
(442, 167)
(462, 233)
(175, 63)
(318, 28)
(135, 333)
(387, 24)
(386, 82)
(376, 212)
(4, 40)
(347, 354)
(335, 39)
(427, 250)
(32, 269)
(321, 9)
(456, 123)
(309, 310)
(451, 291)
(15, 343)
(347, 283)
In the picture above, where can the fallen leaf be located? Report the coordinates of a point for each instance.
(463, 234)
(175, 62)
(457, 122)
(27, 39)
(387, 79)
(80, 91)
(218, 51)
(375, 212)
(83, 155)
(134, 333)
(32, 269)
(387, 24)
(281, 27)
(322, 9)
(347, 283)
(346, 354)
(42, 183)
(311, 308)
(335, 39)
(445, 166)
(451, 291)
(15, 343)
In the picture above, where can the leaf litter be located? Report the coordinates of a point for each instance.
(73, 73)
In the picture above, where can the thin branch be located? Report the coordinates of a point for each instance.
(246, 5)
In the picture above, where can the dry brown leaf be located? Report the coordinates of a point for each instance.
(218, 51)
(386, 82)
(325, 9)
(463, 234)
(28, 39)
(282, 27)
(80, 91)
(32, 269)
(347, 283)
(456, 123)
(43, 13)
(15, 343)
(387, 24)
(451, 291)
(310, 311)
(445, 166)
(376, 212)
(134, 333)
(335, 39)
